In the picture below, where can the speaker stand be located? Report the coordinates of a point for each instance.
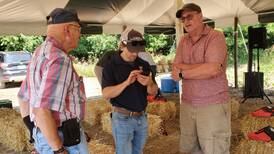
(254, 86)
(253, 97)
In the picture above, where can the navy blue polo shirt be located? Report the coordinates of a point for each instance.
(116, 71)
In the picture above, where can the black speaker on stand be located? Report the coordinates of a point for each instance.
(254, 81)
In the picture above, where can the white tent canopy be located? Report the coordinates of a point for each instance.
(108, 16)
(223, 12)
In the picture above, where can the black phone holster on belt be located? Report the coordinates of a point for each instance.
(71, 132)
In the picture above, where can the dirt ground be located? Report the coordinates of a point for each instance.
(169, 144)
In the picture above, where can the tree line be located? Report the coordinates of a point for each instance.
(91, 47)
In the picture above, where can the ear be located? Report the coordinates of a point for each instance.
(67, 32)
(66, 29)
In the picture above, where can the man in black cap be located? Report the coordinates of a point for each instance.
(127, 79)
(52, 97)
(200, 61)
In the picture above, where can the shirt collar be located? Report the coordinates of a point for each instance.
(205, 31)
(55, 43)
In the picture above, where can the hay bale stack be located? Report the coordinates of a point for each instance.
(13, 132)
(95, 147)
(235, 106)
(94, 111)
(106, 123)
(254, 147)
(166, 110)
(252, 124)
(155, 125)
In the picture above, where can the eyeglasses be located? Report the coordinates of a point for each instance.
(188, 17)
(76, 26)
(137, 43)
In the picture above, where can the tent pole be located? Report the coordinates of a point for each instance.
(236, 51)
(243, 38)
(178, 24)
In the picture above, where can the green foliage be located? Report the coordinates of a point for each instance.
(159, 44)
(92, 47)
(267, 66)
(84, 69)
(19, 42)
(242, 53)
(270, 34)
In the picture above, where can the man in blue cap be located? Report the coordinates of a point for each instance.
(52, 97)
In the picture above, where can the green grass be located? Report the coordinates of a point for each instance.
(84, 69)
(266, 66)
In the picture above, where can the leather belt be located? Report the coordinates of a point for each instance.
(127, 112)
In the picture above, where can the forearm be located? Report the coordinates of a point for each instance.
(113, 91)
(183, 66)
(24, 108)
(204, 71)
(152, 88)
(48, 127)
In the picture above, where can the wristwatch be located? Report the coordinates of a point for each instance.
(62, 149)
(181, 75)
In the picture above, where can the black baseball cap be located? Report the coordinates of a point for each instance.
(61, 15)
(133, 40)
(188, 7)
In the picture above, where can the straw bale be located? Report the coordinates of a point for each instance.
(166, 110)
(95, 147)
(95, 109)
(235, 106)
(106, 123)
(252, 124)
(254, 147)
(155, 125)
(13, 132)
(160, 68)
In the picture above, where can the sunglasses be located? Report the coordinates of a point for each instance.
(188, 17)
(137, 43)
(76, 26)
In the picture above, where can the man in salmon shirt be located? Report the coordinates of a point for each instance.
(200, 61)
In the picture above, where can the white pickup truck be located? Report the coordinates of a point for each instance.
(13, 66)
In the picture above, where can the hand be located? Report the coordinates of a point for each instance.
(144, 80)
(175, 72)
(133, 76)
(65, 152)
(219, 69)
(61, 151)
(34, 151)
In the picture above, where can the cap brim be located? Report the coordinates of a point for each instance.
(179, 13)
(135, 48)
(82, 24)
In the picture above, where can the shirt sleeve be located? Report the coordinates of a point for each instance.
(23, 93)
(55, 84)
(108, 76)
(216, 49)
(179, 53)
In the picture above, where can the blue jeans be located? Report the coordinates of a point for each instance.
(129, 133)
(42, 146)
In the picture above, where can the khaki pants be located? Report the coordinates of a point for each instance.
(205, 129)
